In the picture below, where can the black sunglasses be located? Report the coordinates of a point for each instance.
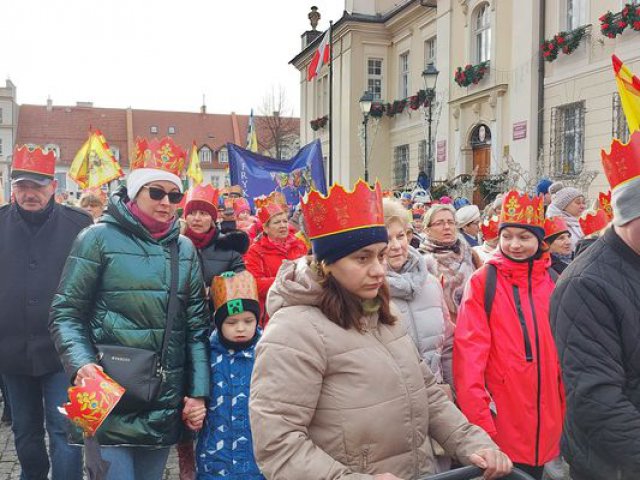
(156, 193)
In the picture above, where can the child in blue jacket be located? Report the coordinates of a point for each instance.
(225, 446)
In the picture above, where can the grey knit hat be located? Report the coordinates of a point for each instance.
(562, 196)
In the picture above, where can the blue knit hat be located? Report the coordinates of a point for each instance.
(332, 248)
(543, 186)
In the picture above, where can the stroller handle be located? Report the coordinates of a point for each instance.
(467, 473)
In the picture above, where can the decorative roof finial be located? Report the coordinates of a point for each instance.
(314, 17)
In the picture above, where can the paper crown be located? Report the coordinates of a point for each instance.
(523, 210)
(592, 222)
(232, 286)
(342, 210)
(34, 159)
(489, 227)
(554, 225)
(604, 201)
(203, 193)
(269, 210)
(274, 197)
(162, 154)
(417, 212)
(91, 402)
(241, 205)
(622, 163)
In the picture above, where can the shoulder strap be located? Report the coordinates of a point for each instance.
(172, 308)
(490, 288)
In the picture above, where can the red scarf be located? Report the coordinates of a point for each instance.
(200, 240)
(156, 228)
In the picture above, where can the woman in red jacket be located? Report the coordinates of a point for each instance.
(270, 249)
(506, 371)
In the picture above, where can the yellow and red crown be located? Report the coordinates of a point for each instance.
(273, 197)
(91, 402)
(342, 210)
(604, 200)
(203, 193)
(592, 222)
(162, 154)
(233, 286)
(622, 163)
(489, 227)
(523, 209)
(554, 225)
(34, 159)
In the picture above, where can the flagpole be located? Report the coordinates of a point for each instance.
(330, 102)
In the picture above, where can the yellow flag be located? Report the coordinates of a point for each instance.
(194, 171)
(94, 165)
(629, 89)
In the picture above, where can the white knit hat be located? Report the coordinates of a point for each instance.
(466, 215)
(141, 176)
(562, 196)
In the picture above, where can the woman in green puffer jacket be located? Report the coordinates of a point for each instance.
(114, 290)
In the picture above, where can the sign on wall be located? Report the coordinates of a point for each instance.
(441, 151)
(520, 130)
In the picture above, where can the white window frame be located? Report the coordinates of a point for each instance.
(401, 162)
(223, 155)
(171, 130)
(430, 51)
(153, 129)
(482, 33)
(205, 154)
(571, 131)
(575, 13)
(404, 71)
(375, 77)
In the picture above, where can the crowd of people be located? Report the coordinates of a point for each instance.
(358, 334)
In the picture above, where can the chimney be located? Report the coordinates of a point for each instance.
(49, 104)
(203, 108)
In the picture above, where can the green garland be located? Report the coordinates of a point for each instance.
(565, 42)
(471, 74)
(613, 24)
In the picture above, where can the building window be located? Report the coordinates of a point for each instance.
(115, 151)
(482, 33)
(425, 163)
(205, 155)
(153, 129)
(430, 50)
(322, 96)
(374, 77)
(619, 126)
(576, 13)
(171, 130)
(401, 165)
(404, 75)
(568, 139)
(223, 156)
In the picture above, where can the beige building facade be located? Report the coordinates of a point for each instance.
(8, 128)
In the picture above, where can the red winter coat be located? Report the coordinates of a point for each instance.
(263, 260)
(492, 360)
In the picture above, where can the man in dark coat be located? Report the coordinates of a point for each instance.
(35, 239)
(595, 313)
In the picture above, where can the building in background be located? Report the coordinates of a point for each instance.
(65, 129)
(8, 129)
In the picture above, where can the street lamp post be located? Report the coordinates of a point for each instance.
(365, 106)
(430, 78)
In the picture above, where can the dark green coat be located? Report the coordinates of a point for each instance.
(114, 290)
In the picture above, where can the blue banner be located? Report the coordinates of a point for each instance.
(260, 175)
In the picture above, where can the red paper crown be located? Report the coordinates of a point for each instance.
(604, 200)
(34, 159)
(592, 222)
(162, 154)
(554, 225)
(342, 210)
(91, 402)
(523, 209)
(241, 205)
(489, 227)
(274, 197)
(269, 210)
(203, 193)
(417, 212)
(622, 164)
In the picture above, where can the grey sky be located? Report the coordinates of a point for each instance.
(160, 55)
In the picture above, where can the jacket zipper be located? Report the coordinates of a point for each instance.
(535, 326)
(523, 324)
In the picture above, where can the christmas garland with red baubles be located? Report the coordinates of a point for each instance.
(471, 74)
(613, 24)
(563, 42)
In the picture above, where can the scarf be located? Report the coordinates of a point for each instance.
(409, 281)
(454, 265)
(36, 219)
(200, 240)
(156, 228)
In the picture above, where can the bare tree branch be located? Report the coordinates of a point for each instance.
(277, 130)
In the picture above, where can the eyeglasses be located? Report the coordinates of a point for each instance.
(156, 193)
(442, 223)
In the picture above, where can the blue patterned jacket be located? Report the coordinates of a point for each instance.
(225, 446)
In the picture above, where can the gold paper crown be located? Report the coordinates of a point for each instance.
(523, 209)
(233, 286)
(274, 197)
(342, 210)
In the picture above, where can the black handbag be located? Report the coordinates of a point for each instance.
(141, 371)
